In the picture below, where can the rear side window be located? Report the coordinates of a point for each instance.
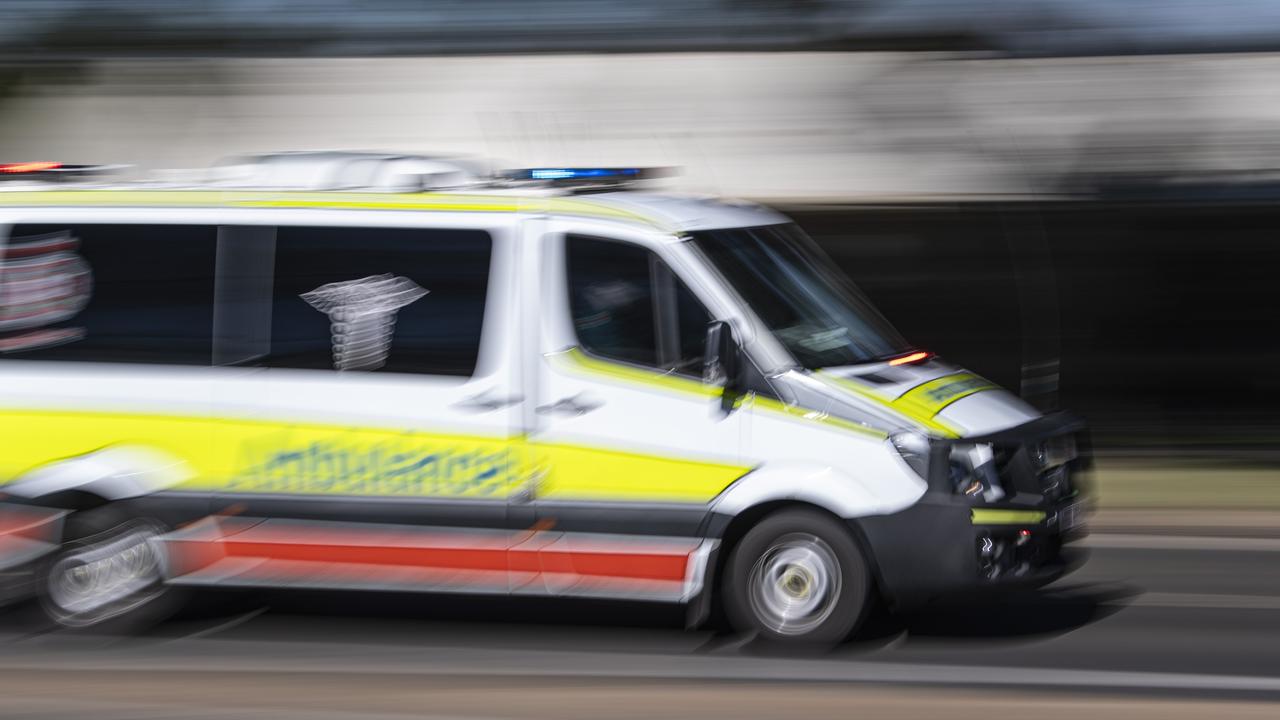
(108, 293)
(628, 305)
(389, 299)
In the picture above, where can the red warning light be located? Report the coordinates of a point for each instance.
(912, 358)
(28, 167)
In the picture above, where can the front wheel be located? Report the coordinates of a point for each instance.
(799, 577)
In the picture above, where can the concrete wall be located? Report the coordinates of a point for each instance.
(801, 126)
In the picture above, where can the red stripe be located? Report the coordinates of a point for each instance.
(452, 558)
(605, 558)
(358, 573)
(640, 566)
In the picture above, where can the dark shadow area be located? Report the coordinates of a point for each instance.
(1163, 307)
(1022, 616)
(538, 623)
(1029, 614)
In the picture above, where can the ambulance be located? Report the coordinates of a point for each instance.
(355, 371)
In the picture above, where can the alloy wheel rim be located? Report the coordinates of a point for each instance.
(795, 584)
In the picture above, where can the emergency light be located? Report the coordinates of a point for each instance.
(23, 168)
(45, 169)
(612, 174)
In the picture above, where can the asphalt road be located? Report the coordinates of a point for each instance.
(1152, 626)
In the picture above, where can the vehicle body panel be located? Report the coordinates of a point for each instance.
(548, 470)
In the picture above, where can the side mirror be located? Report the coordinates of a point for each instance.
(722, 364)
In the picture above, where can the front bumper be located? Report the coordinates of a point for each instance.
(936, 548)
(945, 545)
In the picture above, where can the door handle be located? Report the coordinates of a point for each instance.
(487, 402)
(574, 405)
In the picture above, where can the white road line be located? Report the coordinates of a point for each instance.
(1207, 601)
(1055, 677)
(239, 656)
(1134, 541)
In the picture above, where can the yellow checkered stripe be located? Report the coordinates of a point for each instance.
(922, 403)
(575, 360)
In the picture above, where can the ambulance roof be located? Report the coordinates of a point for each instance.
(379, 181)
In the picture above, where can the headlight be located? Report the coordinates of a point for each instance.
(971, 468)
(914, 449)
(973, 472)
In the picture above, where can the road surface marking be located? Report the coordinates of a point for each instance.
(304, 657)
(1208, 601)
(1127, 541)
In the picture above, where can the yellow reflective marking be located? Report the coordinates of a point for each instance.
(913, 409)
(582, 473)
(1006, 517)
(575, 358)
(436, 202)
(251, 456)
(257, 456)
(933, 396)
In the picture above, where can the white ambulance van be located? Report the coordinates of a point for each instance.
(353, 371)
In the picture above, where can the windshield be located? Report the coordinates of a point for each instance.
(799, 294)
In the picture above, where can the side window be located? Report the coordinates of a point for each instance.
(108, 293)
(627, 305)
(391, 299)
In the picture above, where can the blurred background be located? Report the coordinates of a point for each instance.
(1076, 198)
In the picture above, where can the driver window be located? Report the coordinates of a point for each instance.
(627, 305)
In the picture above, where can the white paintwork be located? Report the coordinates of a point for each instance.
(988, 411)
(827, 485)
(113, 473)
(691, 212)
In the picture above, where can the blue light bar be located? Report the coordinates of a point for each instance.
(576, 173)
(604, 176)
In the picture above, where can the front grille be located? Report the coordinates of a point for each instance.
(1055, 483)
(1021, 468)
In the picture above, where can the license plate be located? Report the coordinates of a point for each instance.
(1071, 516)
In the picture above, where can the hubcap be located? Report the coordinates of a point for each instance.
(795, 584)
(99, 580)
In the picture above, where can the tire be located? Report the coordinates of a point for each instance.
(798, 577)
(108, 574)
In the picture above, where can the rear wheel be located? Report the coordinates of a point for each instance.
(799, 577)
(109, 569)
